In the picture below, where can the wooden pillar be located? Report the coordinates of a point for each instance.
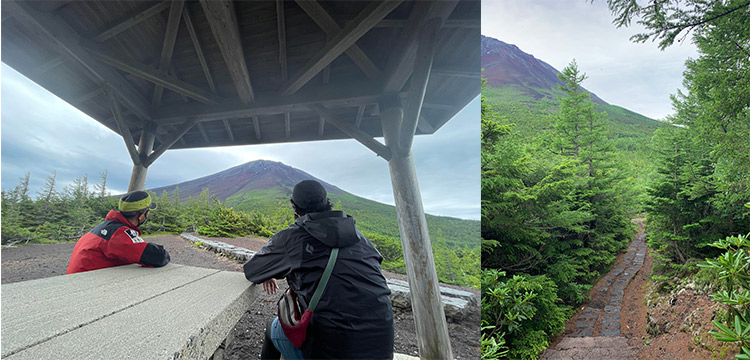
(429, 316)
(138, 176)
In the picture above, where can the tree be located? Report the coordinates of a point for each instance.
(665, 20)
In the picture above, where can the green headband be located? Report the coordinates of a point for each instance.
(128, 206)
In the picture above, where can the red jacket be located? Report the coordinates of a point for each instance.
(115, 242)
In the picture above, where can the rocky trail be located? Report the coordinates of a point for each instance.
(595, 332)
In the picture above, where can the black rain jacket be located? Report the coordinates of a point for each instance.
(354, 319)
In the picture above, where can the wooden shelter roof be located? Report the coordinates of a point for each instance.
(219, 73)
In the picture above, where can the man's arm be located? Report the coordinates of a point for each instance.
(127, 245)
(270, 262)
(154, 255)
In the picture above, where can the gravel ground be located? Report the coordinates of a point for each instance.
(39, 261)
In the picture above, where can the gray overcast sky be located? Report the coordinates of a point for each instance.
(636, 76)
(42, 134)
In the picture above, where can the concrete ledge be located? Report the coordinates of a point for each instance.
(174, 312)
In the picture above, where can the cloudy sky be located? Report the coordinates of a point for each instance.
(41, 133)
(637, 76)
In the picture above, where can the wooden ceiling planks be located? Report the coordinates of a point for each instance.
(345, 72)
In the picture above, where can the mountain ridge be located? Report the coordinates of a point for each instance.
(506, 64)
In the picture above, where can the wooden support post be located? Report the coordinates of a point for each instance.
(429, 317)
(145, 146)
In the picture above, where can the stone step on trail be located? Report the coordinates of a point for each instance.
(609, 348)
(596, 332)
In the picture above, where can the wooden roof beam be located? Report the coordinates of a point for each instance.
(454, 72)
(66, 41)
(203, 132)
(329, 26)
(167, 49)
(198, 50)
(155, 76)
(345, 38)
(228, 127)
(132, 21)
(360, 113)
(428, 39)
(347, 128)
(123, 128)
(257, 127)
(51, 64)
(287, 124)
(448, 24)
(344, 95)
(400, 64)
(223, 21)
(282, 38)
(169, 141)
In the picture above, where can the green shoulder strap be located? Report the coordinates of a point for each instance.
(324, 280)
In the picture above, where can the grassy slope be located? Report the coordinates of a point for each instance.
(533, 111)
(371, 216)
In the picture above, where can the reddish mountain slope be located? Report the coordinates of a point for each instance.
(505, 64)
(254, 175)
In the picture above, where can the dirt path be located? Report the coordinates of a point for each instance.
(596, 331)
(40, 261)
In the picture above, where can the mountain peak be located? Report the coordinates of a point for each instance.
(506, 64)
(253, 175)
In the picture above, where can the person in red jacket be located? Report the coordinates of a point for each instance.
(117, 240)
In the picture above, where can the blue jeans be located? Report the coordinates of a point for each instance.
(282, 343)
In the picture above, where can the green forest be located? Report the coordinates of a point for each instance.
(562, 178)
(64, 215)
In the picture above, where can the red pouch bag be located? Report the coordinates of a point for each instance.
(293, 320)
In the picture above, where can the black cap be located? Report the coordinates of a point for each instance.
(135, 201)
(309, 194)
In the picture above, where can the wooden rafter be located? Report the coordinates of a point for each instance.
(169, 141)
(343, 95)
(51, 64)
(132, 21)
(257, 127)
(154, 76)
(228, 127)
(424, 126)
(400, 64)
(449, 24)
(339, 43)
(451, 72)
(89, 95)
(203, 132)
(282, 38)
(66, 41)
(123, 128)
(197, 45)
(223, 21)
(329, 26)
(287, 124)
(347, 128)
(358, 119)
(167, 49)
(428, 39)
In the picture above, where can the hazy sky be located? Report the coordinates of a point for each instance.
(41, 134)
(637, 76)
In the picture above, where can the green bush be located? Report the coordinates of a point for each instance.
(522, 311)
(733, 268)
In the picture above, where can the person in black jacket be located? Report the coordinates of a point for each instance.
(354, 319)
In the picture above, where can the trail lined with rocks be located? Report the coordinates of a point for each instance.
(596, 331)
